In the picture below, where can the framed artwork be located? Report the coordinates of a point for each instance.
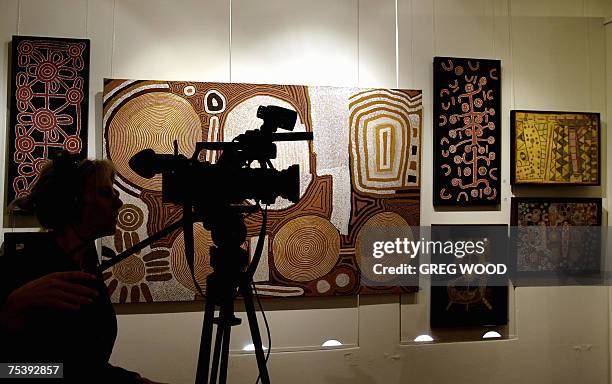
(360, 173)
(469, 300)
(467, 131)
(560, 148)
(556, 235)
(48, 105)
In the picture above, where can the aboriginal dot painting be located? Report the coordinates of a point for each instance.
(361, 171)
(49, 105)
(470, 299)
(555, 148)
(557, 235)
(467, 124)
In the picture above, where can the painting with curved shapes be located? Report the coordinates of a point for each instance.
(361, 171)
(49, 106)
(467, 131)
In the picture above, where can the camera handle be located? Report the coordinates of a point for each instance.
(140, 246)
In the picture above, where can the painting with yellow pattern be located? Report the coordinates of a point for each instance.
(561, 148)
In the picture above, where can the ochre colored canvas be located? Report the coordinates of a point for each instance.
(555, 148)
(361, 171)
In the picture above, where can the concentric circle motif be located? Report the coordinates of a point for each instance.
(180, 268)
(130, 270)
(24, 93)
(383, 141)
(39, 164)
(44, 120)
(214, 102)
(130, 217)
(25, 48)
(75, 50)
(73, 144)
(384, 226)
(306, 248)
(74, 96)
(47, 71)
(152, 120)
(189, 90)
(342, 280)
(25, 144)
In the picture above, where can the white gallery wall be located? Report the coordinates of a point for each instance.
(556, 55)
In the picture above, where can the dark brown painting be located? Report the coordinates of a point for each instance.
(49, 105)
(467, 131)
(556, 235)
(469, 300)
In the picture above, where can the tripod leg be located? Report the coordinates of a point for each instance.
(219, 339)
(245, 290)
(225, 354)
(205, 340)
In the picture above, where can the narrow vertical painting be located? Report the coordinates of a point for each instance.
(467, 131)
(49, 105)
(361, 170)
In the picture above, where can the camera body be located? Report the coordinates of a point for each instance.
(276, 117)
(232, 179)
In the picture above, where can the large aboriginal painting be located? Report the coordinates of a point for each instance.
(467, 116)
(556, 235)
(555, 148)
(361, 171)
(49, 105)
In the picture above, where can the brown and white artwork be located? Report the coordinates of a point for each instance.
(361, 171)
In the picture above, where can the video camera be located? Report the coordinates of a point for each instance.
(232, 179)
(217, 192)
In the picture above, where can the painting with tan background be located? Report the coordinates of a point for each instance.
(362, 170)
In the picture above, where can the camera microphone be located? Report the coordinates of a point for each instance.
(147, 163)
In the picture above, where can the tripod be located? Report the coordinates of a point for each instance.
(224, 219)
(230, 277)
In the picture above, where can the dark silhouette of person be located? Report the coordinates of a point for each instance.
(54, 305)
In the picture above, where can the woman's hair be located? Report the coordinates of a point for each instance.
(57, 196)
